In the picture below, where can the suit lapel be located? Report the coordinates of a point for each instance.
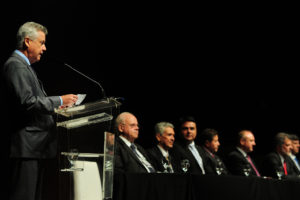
(37, 81)
(131, 153)
(159, 153)
(191, 156)
(240, 153)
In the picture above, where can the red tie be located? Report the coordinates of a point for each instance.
(251, 163)
(284, 168)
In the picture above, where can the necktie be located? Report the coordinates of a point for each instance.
(169, 165)
(198, 158)
(284, 168)
(167, 158)
(296, 160)
(142, 159)
(297, 163)
(252, 165)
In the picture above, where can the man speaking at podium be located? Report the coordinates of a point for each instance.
(29, 111)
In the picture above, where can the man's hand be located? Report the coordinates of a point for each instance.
(69, 100)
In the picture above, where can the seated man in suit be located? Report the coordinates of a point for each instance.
(239, 161)
(185, 149)
(295, 150)
(159, 155)
(278, 164)
(130, 157)
(209, 141)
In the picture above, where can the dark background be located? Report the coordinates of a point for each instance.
(231, 70)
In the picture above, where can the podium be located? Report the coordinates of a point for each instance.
(86, 150)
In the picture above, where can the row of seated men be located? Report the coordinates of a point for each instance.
(184, 156)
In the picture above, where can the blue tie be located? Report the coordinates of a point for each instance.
(296, 160)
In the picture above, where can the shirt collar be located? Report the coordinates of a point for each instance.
(281, 158)
(125, 140)
(292, 156)
(242, 151)
(163, 151)
(23, 56)
(208, 151)
(192, 144)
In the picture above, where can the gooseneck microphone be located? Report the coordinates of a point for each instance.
(72, 68)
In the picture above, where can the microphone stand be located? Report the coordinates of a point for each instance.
(102, 90)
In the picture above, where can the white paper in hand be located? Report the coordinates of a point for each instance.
(81, 97)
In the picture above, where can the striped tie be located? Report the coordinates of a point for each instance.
(253, 166)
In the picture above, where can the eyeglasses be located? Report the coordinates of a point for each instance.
(132, 125)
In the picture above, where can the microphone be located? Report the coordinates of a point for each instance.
(72, 68)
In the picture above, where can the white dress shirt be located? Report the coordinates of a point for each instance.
(197, 156)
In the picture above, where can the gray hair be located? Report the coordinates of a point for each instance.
(280, 138)
(120, 119)
(161, 126)
(30, 30)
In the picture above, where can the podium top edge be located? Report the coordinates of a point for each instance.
(89, 107)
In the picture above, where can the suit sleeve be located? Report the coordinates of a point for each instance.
(27, 91)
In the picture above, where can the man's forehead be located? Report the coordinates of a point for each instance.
(189, 124)
(168, 130)
(248, 135)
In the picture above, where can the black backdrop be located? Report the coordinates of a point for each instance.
(231, 70)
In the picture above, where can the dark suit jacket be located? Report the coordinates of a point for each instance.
(126, 160)
(295, 166)
(272, 162)
(213, 162)
(236, 161)
(157, 159)
(28, 111)
(181, 151)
